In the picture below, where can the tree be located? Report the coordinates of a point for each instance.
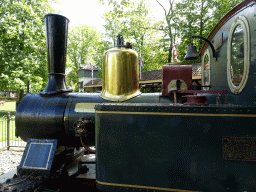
(198, 17)
(169, 14)
(132, 19)
(193, 17)
(221, 7)
(22, 44)
(84, 43)
(112, 26)
(99, 56)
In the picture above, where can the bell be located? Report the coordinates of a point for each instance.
(191, 52)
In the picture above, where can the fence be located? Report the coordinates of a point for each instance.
(7, 134)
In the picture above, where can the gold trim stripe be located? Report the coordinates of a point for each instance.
(143, 187)
(151, 81)
(184, 114)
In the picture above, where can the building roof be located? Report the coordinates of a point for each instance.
(94, 82)
(155, 75)
(87, 66)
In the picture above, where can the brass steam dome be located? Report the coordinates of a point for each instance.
(120, 73)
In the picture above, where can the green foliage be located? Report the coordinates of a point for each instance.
(99, 56)
(183, 19)
(198, 17)
(84, 46)
(132, 19)
(22, 44)
(237, 57)
(170, 30)
(82, 42)
(193, 17)
(221, 7)
(154, 56)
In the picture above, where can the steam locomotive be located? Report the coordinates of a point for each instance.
(177, 140)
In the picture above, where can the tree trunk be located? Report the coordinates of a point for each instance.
(171, 42)
(201, 23)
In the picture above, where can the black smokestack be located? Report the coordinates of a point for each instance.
(56, 34)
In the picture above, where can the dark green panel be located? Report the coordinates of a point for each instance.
(182, 151)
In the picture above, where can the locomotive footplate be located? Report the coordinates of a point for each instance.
(35, 166)
(43, 168)
(86, 160)
(27, 182)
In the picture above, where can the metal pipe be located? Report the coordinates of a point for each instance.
(213, 50)
(8, 130)
(56, 33)
(28, 86)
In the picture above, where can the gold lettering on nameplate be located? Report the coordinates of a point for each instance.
(239, 148)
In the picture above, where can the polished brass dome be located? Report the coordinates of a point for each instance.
(120, 74)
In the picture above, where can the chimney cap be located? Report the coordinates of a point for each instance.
(56, 15)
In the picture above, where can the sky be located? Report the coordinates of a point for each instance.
(90, 12)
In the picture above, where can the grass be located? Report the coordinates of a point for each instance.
(9, 106)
